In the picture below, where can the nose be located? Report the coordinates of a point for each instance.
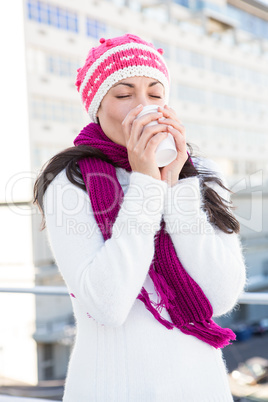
(144, 99)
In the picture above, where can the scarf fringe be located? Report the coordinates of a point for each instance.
(210, 332)
(164, 292)
(144, 297)
(206, 331)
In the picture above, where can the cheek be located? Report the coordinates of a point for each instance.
(120, 110)
(114, 113)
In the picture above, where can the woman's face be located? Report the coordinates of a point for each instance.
(124, 96)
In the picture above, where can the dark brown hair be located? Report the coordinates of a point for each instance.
(216, 207)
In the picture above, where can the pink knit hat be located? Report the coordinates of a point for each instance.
(112, 61)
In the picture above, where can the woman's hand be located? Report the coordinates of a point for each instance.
(141, 141)
(170, 173)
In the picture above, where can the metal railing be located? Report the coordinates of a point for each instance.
(245, 298)
(38, 290)
(7, 398)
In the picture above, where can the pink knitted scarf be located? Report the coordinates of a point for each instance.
(187, 305)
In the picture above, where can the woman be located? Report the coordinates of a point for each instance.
(148, 254)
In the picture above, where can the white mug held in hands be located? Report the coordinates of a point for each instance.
(166, 152)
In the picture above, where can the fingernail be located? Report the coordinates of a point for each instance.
(139, 106)
(170, 127)
(161, 119)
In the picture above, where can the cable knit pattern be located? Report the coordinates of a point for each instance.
(121, 353)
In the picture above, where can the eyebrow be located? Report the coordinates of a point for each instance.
(133, 86)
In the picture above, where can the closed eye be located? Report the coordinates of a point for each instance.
(127, 96)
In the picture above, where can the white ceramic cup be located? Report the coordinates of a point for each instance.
(166, 152)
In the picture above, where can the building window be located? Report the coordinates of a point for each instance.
(191, 94)
(95, 28)
(250, 167)
(48, 351)
(48, 361)
(49, 373)
(255, 25)
(184, 3)
(112, 31)
(60, 65)
(45, 13)
(40, 61)
(56, 110)
(217, 66)
(219, 100)
(236, 167)
(118, 3)
(42, 153)
(157, 14)
(265, 267)
(197, 60)
(202, 61)
(183, 56)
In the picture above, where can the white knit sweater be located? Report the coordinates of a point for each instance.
(121, 352)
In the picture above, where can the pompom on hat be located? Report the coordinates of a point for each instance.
(112, 61)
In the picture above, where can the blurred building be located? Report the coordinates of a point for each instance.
(217, 53)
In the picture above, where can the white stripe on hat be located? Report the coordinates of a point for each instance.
(114, 50)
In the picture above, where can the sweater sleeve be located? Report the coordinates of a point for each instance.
(214, 259)
(105, 277)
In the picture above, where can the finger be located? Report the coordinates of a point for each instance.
(173, 123)
(133, 113)
(170, 115)
(153, 144)
(148, 133)
(148, 118)
(169, 108)
(180, 140)
(138, 126)
(128, 120)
